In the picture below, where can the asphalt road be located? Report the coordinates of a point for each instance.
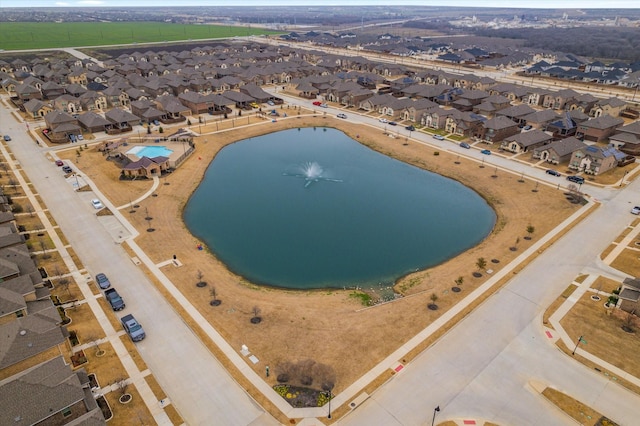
(195, 382)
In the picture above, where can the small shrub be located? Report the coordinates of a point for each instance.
(436, 153)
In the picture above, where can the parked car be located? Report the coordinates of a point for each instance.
(410, 128)
(114, 299)
(7, 138)
(67, 169)
(103, 281)
(80, 137)
(270, 103)
(97, 204)
(317, 103)
(133, 328)
(553, 172)
(575, 179)
(324, 106)
(635, 210)
(254, 105)
(439, 137)
(393, 123)
(383, 120)
(465, 145)
(341, 115)
(59, 163)
(485, 152)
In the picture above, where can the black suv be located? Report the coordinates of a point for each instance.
(576, 179)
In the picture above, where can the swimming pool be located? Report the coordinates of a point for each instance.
(150, 151)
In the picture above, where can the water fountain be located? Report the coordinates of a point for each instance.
(311, 172)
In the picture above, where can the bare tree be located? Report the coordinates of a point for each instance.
(256, 319)
(122, 385)
(200, 276)
(481, 263)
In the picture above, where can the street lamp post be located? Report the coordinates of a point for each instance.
(329, 396)
(435, 411)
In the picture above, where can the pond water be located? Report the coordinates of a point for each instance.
(312, 208)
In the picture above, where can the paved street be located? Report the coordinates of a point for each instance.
(195, 382)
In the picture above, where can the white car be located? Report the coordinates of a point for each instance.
(344, 116)
(97, 204)
(635, 210)
(383, 120)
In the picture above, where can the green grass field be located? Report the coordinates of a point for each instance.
(28, 35)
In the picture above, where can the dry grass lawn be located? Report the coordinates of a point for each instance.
(606, 285)
(627, 261)
(325, 325)
(574, 408)
(134, 412)
(84, 323)
(603, 333)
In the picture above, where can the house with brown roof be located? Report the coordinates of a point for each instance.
(525, 141)
(598, 129)
(516, 113)
(436, 117)
(146, 167)
(559, 151)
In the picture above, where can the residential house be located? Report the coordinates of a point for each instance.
(60, 126)
(35, 108)
(612, 106)
(525, 141)
(415, 110)
(595, 160)
(496, 129)
(516, 113)
(558, 100)
(559, 151)
(629, 296)
(120, 120)
(50, 393)
(26, 92)
(146, 167)
(67, 103)
(93, 123)
(463, 123)
(627, 138)
(376, 102)
(436, 117)
(598, 129)
(540, 119)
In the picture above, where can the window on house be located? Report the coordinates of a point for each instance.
(66, 412)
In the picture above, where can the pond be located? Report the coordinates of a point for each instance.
(312, 208)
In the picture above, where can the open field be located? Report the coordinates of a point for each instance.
(44, 35)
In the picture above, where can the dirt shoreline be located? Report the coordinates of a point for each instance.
(327, 325)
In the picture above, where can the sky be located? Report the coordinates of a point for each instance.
(551, 4)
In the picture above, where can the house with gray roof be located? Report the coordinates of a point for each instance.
(627, 138)
(525, 141)
(496, 129)
(49, 393)
(559, 151)
(629, 295)
(595, 160)
(598, 129)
